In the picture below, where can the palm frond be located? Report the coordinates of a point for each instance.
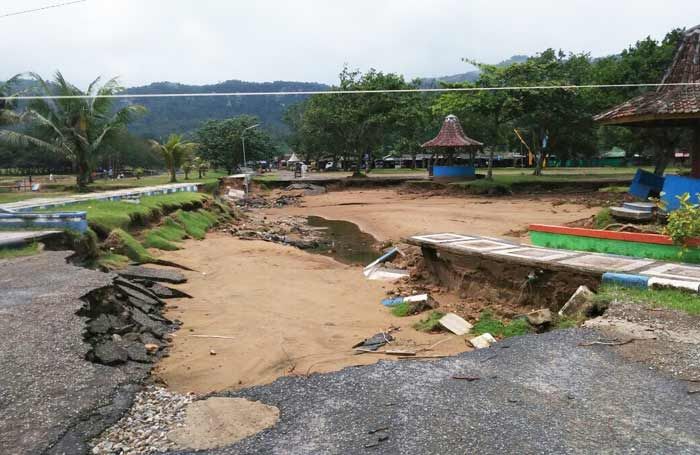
(15, 139)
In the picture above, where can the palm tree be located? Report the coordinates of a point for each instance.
(76, 124)
(174, 152)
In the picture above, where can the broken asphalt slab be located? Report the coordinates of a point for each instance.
(536, 394)
(51, 398)
(136, 272)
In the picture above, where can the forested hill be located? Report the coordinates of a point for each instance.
(177, 115)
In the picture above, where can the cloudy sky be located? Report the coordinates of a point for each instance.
(207, 41)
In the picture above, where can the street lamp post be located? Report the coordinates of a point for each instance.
(244, 160)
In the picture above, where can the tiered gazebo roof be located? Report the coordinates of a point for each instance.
(669, 105)
(452, 135)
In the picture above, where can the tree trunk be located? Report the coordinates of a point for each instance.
(173, 177)
(662, 160)
(489, 174)
(538, 166)
(83, 176)
(695, 153)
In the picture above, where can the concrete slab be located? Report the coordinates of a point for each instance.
(442, 238)
(608, 263)
(631, 214)
(640, 206)
(481, 245)
(542, 254)
(675, 272)
(17, 238)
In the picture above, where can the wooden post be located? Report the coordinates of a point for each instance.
(695, 153)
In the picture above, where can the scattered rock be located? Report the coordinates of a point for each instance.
(151, 348)
(580, 303)
(455, 324)
(483, 341)
(540, 317)
(165, 292)
(212, 352)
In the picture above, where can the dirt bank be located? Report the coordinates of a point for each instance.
(390, 215)
(288, 311)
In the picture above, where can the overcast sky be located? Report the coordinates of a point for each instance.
(208, 41)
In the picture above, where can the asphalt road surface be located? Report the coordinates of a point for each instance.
(538, 394)
(51, 399)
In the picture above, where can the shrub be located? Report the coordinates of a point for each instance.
(684, 223)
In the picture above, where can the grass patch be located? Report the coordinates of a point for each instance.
(196, 224)
(614, 189)
(402, 310)
(484, 186)
(562, 322)
(20, 251)
(112, 261)
(603, 218)
(489, 324)
(124, 244)
(430, 324)
(163, 236)
(402, 170)
(105, 216)
(674, 299)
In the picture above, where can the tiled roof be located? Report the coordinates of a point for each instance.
(452, 135)
(666, 103)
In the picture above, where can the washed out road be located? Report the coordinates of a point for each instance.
(541, 394)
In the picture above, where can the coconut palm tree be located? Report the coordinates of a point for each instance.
(76, 124)
(10, 118)
(174, 152)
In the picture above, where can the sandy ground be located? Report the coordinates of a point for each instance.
(289, 312)
(292, 312)
(388, 215)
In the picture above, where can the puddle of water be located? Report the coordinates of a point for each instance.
(349, 244)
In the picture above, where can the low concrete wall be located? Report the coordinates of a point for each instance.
(74, 221)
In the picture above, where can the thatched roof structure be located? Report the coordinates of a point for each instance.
(667, 105)
(452, 135)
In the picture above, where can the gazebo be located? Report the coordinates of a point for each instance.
(669, 105)
(451, 136)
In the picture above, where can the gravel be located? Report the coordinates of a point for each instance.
(540, 394)
(155, 412)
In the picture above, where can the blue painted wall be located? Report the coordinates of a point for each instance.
(453, 171)
(676, 185)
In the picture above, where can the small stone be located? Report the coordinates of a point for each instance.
(482, 342)
(151, 348)
(580, 303)
(540, 317)
(212, 352)
(116, 338)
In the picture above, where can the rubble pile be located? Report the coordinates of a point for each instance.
(125, 321)
(291, 230)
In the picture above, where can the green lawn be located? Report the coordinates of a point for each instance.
(109, 215)
(666, 298)
(398, 171)
(66, 186)
(15, 252)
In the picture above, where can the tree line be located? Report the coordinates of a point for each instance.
(83, 130)
(551, 122)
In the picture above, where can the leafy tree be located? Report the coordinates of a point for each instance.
(175, 152)
(221, 142)
(75, 127)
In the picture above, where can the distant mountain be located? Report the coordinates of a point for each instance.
(170, 115)
(471, 76)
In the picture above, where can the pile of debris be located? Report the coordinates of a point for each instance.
(293, 231)
(125, 321)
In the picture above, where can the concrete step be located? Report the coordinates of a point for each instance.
(631, 214)
(641, 206)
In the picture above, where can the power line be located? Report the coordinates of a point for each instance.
(349, 92)
(42, 8)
